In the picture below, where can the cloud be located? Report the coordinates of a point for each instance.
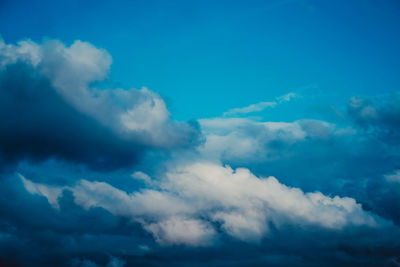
(242, 203)
(362, 110)
(379, 119)
(247, 140)
(393, 177)
(114, 262)
(49, 107)
(50, 192)
(217, 202)
(287, 97)
(182, 231)
(239, 191)
(317, 155)
(145, 204)
(260, 106)
(251, 108)
(142, 176)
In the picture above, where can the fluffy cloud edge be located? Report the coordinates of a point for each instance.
(193, 202)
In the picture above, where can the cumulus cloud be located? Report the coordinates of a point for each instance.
(50, 107)
(240, 191)
(182, 231)
(56, 110)
(367, 136)
(147, 203)
(316, 155)
(190, 196)
(248, 140)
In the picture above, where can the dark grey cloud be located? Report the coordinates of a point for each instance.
(37, 123)
(380, 119)
(49, 109)
(35, 234)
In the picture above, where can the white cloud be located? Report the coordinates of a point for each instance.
(260, 106)
(245, 139)
(24, 50)
(246, 225)
(251, 108)
(146, 116)
(144, 204)
(51, 193)
(192, 198)
(142, 176)
(181, 231)
(238, 191)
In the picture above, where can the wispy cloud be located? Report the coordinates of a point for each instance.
(261, 105)
(251, 108)
(287, 97)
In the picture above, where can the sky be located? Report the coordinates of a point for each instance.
(192, 133)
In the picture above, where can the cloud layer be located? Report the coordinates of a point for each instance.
(98, 176)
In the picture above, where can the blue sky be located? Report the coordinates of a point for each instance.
(207, 53)
(192, 133)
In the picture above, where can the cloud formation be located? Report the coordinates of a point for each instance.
(49, 107)
(212, 198)
(178, 210)
(257, 141)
